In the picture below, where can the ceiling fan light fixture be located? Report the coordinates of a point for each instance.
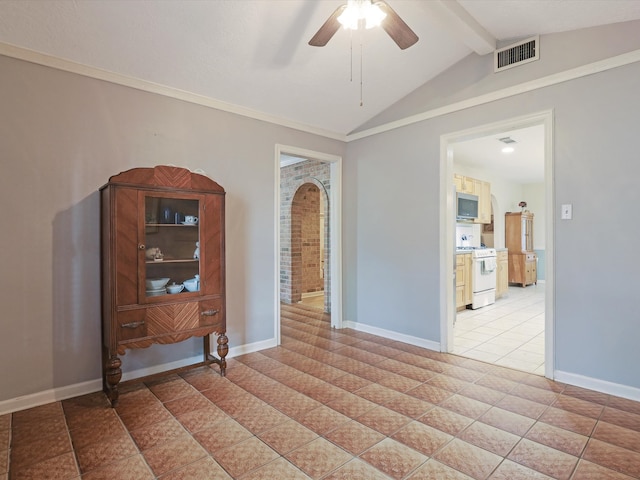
(358, 10)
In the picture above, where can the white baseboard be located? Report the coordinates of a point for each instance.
(91, 386)
(252, 347)
(602, 386)
(48, 396)
(146, 371)
(381, 332)
(313, 294)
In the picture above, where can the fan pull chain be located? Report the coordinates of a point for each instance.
(361, 56)
(351, 55)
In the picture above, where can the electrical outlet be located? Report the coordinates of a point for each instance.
(567, 212)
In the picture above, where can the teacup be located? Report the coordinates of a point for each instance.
(190, 219)
(175, 288)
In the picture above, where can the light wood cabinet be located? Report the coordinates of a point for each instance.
(476, 187)
(502, 275)
(463, 281)
(519, 242)
(460, 281)
(464, 184)
(483, 190)
(523, 268)
(518, 229)
(159, 226)
(468, 291)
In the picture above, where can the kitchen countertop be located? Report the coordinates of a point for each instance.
(462, 252)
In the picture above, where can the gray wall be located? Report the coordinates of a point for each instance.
(62, 137)
(474, 76)
(394, 178)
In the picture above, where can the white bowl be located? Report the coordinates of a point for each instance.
(191, 285)
(156, 283)
(175, 288)
(155, 293)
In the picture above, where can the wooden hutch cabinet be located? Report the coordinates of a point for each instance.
(519, 242)
(159, 227)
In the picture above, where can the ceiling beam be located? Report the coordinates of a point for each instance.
(467, 28)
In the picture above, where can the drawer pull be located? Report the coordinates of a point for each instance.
(209, 313)
(132, 324)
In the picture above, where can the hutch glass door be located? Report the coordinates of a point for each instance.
(171, 245)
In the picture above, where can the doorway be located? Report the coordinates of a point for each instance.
(501, 202)
(309, 205)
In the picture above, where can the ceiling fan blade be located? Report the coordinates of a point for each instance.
(328, 29)
(396, 28)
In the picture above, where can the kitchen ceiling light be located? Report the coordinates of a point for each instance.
(361, 10)
(507, 141)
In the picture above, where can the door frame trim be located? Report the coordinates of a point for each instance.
(447, 251)
(335, 229)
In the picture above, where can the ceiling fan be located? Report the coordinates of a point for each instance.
(358, 12)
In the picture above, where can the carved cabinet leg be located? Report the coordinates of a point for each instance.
(112, 375)
(223, 349)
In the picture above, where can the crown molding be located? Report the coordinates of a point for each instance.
(38, 58)
(32, 56)
(547, 81)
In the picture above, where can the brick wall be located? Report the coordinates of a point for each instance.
(304, 189)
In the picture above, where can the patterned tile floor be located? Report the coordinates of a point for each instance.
(331, 405)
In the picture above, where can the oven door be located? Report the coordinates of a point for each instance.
(483, 274)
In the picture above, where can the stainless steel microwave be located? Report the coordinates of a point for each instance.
(466, 206)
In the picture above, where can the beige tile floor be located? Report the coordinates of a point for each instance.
(509, 333)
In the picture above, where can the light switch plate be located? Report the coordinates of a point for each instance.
(567, 212)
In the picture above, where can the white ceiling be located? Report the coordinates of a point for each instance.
(254, 53)
(524, 165)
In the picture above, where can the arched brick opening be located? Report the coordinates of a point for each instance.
(306, 244)
(295, 180)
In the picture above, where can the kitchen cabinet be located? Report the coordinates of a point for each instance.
(160, 226)
(464, 184)
(502, 275)
(523, 268)
(476, 187)
(463, 281)
(483, 190)
(519, 242)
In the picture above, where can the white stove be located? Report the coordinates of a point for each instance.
(483, 277)
(478, 252)
(483, 252)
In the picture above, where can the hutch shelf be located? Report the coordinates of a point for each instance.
(163, 265)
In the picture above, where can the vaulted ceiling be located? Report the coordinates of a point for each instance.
(254, 53)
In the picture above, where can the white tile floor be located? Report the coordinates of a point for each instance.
(510, 332)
